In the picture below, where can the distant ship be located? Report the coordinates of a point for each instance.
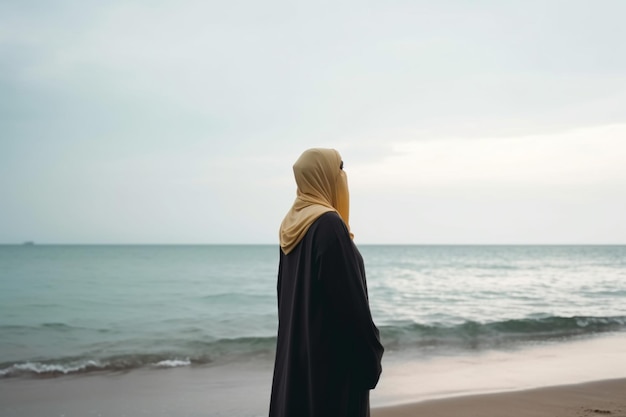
(28, 243)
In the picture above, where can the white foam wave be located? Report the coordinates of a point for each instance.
(43, 368)
(173, 363)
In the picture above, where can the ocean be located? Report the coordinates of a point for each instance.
(85, 309)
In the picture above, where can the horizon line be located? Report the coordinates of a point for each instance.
(34, 243)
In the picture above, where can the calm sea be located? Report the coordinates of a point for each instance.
(82, 309)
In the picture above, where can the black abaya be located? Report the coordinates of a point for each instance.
(328, 349)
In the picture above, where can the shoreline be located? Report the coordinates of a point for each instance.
(555, 380)
(534, 366)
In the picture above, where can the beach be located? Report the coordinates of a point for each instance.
(580, 378)
(125, 395)
(599, 398)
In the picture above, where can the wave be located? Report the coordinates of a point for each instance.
(428, 339)
(39, 368)
(474, 335)
(53, 327)
(173, 363)
(190, 353)
(66, 366)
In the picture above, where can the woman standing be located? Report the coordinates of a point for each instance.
(328, 350)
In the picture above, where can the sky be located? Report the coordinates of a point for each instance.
(459, 122)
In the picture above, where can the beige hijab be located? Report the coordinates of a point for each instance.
(322, 187)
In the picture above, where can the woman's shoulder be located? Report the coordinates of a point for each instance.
(330, 219)
(330, 225)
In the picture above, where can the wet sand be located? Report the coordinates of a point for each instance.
(185, 394)
(600, 398)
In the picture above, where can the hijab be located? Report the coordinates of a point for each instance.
(322, 187)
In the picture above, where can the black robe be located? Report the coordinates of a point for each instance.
(328, 349)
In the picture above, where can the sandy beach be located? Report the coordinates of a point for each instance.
(184, 394)
(578, 379)
(600, 398)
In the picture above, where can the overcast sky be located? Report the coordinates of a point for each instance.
(179, 121)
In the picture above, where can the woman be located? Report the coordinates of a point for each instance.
(328, 349)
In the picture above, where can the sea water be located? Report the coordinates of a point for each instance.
(88, 309)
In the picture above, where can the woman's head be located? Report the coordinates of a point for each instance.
(322, 187)
(319, 176)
